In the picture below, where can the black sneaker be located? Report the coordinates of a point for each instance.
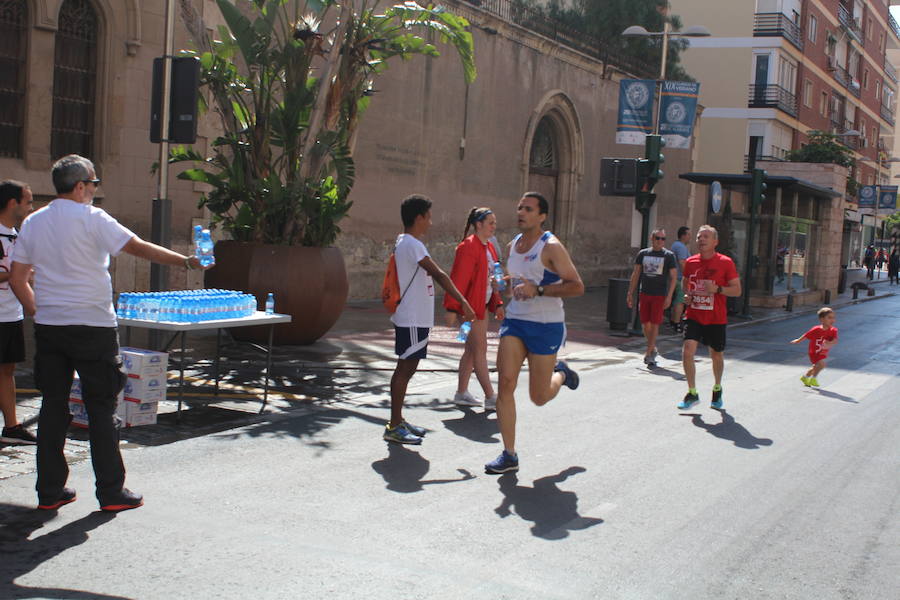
(716, 401)
(125, 500)
(17, 434)
(67, 495)
(689, 400)
(571, 377)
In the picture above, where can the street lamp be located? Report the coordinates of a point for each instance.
(648, 168)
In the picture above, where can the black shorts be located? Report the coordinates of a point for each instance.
(12, 342)
(708, 335)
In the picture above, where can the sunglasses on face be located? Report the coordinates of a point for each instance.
(96, 182)
(656, 237)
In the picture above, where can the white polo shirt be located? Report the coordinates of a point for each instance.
(69, 245)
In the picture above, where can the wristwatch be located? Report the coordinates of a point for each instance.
(719, 290)
(540, 290)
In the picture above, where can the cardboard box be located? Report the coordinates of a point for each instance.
(80, 416)
(142, 363)
(146, 389)
(140, 413)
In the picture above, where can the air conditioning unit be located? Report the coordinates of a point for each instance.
(830, 62)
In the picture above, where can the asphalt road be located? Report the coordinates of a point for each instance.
(788, 492)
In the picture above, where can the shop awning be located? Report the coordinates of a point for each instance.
(772, 181)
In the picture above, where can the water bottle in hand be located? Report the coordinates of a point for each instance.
(270, 304)
(464, 330)
(205, 249)
(498, 277)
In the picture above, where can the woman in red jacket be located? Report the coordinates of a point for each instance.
(472, 270)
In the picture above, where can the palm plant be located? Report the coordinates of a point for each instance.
(289, 97)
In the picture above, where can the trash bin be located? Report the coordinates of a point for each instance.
(842, 280)
(617, 312)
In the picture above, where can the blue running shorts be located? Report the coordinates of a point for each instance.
(539, 338)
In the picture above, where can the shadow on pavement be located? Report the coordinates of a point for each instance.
(663, 371)
(475, 426)
(403, 470)
(553, 511)
(20, 555)
(730, 430)
(836, 396)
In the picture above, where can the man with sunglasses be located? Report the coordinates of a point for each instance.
(68, 243)
(657, 272)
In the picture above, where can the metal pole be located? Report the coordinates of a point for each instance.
(161, 218)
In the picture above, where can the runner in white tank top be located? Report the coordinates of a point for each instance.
(541, 274)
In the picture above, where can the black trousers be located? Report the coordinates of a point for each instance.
(94, 353)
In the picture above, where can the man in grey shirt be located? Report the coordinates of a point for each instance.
(655, 269)
(681, 252)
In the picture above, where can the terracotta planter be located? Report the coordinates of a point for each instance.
(310, 284)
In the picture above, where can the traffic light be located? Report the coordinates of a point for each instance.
(758, 187)
(649, 172)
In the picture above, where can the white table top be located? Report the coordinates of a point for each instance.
(257, 318)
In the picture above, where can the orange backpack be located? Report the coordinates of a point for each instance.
(390, 287)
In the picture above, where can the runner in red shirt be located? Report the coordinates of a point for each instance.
(708, 277)
(822, 338)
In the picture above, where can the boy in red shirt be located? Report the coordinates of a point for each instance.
(822, 338)
(708, 278)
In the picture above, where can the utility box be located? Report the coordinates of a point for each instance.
(618, 176)
(617, 312)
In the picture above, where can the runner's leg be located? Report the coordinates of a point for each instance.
(718, 364)
(688, 350)
(406, 368)
(510, 356)
(543, 382)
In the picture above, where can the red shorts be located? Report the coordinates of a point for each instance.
(814, 358)
(651, 308)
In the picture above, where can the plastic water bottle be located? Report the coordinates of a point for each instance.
(464, 330)
(270, 304)
(198, 233)
(205, 249)
(498, 277)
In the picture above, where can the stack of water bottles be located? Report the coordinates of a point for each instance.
(185, 306)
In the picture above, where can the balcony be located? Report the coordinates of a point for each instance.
(887, 114)
(772, 96)
(850, 25)
(889, 70)
(894, 27)
(777, 25)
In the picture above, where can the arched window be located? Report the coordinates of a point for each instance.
(74, 80)
(13, 20)
(543, 149)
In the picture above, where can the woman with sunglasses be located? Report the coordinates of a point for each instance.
(471, 273)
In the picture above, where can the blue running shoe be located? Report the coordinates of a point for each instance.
(571, 381)
(415, 429)
(504, 463)
(400, 435)
(689, 400)
(716, 398)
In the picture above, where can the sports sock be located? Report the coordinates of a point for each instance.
(692, 391)
(717, 388)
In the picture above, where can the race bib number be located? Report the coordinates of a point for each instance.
(701, 299)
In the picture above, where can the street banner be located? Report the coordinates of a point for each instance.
(635, 121)
(677, 109)
(867, 196)
(887, 199)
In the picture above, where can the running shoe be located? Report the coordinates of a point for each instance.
(465, 399)
(689, 400)
(17, 434)
(716, 398)
(504, 463)
(813, 382)
(415, 429)
(124, 500)
(805, 380)
(400, 435)
(490, 402)
(67, 495)
(571, 381)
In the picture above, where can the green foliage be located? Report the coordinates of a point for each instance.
(289, 98)
(823, 148)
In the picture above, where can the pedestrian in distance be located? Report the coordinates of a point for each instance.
(681, 252)
(68, 244)
(541, 274)
(710, 277)
(414, 317)
(869, 261)
(15, 204)
(656, 270)
(822, 338)
(894, 267)
(472, 274)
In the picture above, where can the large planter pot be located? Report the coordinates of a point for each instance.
(310, 284)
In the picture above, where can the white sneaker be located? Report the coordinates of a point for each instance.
(465, 399)
(490, 402)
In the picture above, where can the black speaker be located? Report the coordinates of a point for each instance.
(183, 100)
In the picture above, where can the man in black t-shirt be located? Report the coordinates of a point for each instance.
(656, 270)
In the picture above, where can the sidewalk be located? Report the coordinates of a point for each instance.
(352, 363)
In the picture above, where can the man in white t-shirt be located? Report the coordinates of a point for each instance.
(15, 203)
(414, 317)
(68, 244)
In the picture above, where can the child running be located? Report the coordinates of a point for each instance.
(822, 338)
